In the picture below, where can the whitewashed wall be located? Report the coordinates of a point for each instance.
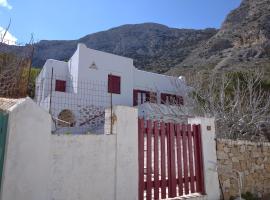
(42, 166)
(25, 175)
(97, 166)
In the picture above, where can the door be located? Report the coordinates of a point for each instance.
(3, 133)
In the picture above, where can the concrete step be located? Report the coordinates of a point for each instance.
(194, 196)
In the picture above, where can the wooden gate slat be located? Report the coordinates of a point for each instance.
(141, 158)
(156, 161)
(185, 160)
(179, 159)
(168, 159)
(196, 158)
(163, 162)
(149, 161)
(190, 151)
(172, 161)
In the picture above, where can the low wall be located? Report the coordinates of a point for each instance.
(251, 159)
(42, 166)
(97, 166)
(25, 175)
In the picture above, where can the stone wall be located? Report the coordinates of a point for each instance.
(251, 159)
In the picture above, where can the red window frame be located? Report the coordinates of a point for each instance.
(171, 99)
(150, 97)
(114, 84)
(60, 85)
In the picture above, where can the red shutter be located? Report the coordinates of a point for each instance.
(114, 84)
(60, 86)
(135, 97)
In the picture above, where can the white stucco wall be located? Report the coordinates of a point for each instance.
(97, 166)
(80, 74)
(159, 83)
(42, 166)
(209, 156)
(106, 64)
(82, 167)
(25, 174)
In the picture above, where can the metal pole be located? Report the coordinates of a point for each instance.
(111, 116)
(51, 92)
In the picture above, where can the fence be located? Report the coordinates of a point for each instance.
(170, 160)
(76, 106)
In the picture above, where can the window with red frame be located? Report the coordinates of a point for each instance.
(114, 84)
(171, 99)
(60, 86)
(141, 96)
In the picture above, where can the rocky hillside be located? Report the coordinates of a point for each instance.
(242, 42)
(153, 47)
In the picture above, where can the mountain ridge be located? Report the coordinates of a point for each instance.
(149, 44)
(243, 41)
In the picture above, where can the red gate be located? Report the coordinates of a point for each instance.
(170, 160)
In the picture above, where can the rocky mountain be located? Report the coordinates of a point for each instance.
(153, 47)
(242, 42)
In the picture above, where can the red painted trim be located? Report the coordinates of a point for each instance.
(156, 161)
(149, 161)
(167, 128)
(163, 164)
(60, 85)
(196, 158)
(172, 189)
(114, 84)
(185, 160)
(179, 158)
(201, 160)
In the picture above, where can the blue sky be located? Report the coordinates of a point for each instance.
(66, 19)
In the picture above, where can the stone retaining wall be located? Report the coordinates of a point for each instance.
(251, 159)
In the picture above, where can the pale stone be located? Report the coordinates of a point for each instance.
(255, 154)
(222, 155)
(234, 159)
(242, 149)
(226, 149)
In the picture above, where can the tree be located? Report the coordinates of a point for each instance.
(238, 101)
(15, 70)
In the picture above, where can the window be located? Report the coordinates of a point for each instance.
(171, 99)
(60, 85)
(114, 84)
(140, 97)
(66, 119)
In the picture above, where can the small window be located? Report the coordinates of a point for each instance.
(171, 99)
(66, 119)
(141, 96)
(60, 85)
(114, 84)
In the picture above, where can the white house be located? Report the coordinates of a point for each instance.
(79, 90)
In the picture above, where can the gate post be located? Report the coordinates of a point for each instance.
(126, 174)
(208, 138)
